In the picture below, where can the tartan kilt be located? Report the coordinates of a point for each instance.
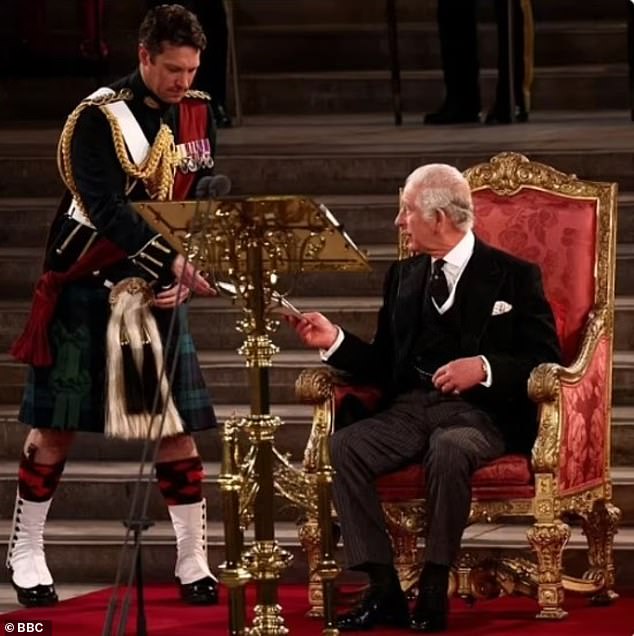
(71, 394)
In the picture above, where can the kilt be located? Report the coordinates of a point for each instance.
(71, 394)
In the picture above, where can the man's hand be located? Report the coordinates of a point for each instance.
(314, 330)
(459, 375)
(172, 297)
(191, 277)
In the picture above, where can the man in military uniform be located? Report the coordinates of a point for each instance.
(118, 146)
(457, 27)
(212, 76)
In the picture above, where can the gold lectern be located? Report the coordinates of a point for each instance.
(255, 247)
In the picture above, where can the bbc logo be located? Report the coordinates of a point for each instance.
(38, 628)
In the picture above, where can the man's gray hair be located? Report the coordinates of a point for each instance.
(439, 186)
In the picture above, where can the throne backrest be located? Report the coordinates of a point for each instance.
(557, 221)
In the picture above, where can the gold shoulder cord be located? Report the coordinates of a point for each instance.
(157, 170)
(198, 95)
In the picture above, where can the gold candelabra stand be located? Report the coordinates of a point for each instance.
(254, 249)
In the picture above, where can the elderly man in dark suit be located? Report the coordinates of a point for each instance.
(461, 326)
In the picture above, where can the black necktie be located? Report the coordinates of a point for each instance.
(438, 284)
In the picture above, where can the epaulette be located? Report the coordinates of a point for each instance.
(96, 99)
(198, 95)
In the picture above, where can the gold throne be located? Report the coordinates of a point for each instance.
(568, 227)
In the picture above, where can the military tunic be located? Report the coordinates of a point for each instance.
(70, 394)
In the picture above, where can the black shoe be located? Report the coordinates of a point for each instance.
(201, 592)
(431, 611)
(499, 116)
(221, 116)
(38, 596)
(377, 607)
(447, 116)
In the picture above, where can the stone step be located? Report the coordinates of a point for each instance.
(106, 491)
(226, 376)
(368, 219)
(360, 46)
(356, 314)
(296, 419)
(21, 267)
(89, 551)
(360, 12)
(580, 87)
(366, 155)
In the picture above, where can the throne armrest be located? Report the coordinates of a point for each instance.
(574, 401)
(326, 388)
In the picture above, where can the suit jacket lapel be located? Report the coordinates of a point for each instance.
(413, 277)
(476, 294)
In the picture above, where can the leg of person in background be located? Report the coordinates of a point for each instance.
(523, 37)
(212, 75)
(93, 46)
(32, 27)
(457, 29)
(41, 467)
(179, 472)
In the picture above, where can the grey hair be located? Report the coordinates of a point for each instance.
(438, 186)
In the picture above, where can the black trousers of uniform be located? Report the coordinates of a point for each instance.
(458, 32)
(450, 436)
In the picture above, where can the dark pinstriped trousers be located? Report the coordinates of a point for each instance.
(450, 436)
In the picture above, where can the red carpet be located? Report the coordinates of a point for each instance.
(83, 616)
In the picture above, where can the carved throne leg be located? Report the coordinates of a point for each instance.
(309, 540)
(548, 540)
(404, 524)
(600, 525)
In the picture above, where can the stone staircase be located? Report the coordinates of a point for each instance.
(316, 94)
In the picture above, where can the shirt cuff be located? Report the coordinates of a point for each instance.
(326, 353)
(486, 367)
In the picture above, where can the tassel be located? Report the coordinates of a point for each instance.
(149, 379)
(135, 356)
(133, 384)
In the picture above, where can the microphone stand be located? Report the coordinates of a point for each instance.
(138, 526)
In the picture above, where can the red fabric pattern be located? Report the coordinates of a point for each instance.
(559, 234)
(507, 476)
(585, 417)
(32, 347)
(369, 396)
(193, 115)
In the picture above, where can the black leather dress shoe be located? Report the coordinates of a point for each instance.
(431, 611)
(201, 592)
(221, 117)
(497, 116)
(447, 116)
(376, 608)
(38, 596)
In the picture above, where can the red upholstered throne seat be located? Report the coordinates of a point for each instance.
(567, 227)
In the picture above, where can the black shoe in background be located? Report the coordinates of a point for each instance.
(502, 116)
(378, 607)
(221, 117)
(432, 605)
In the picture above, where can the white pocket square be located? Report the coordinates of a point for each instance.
(501, 307)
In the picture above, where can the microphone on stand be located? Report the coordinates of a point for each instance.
(213, 187)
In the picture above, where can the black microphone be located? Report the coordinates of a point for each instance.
(213, 187)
